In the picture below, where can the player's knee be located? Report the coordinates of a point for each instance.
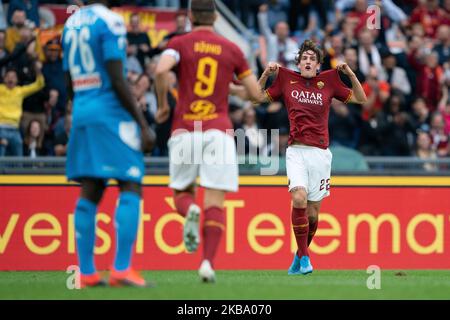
(313, 212)
(312, 218)
(92, 190)
(299, 199)
(127, 186)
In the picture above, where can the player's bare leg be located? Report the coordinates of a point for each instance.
(186, 206)
(214, 225)
(300, 226)
(312, 211)
(85, 212)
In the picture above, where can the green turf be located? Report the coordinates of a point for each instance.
(259, 285)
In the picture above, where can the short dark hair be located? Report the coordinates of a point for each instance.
(134, 14)
(11, 69)
(203, 12)
(309, 45)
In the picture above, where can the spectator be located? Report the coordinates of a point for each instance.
(396, 41)
(140, 88)
(248, 13)
(429, 76)
(3, 23)
(280, 47)
(342, 125)
(445, 111)
(236, 113)
(5, 57)
(430, 16)
(32, 145)
(54, 76)
(377, 92)
(334, 47)
(302, 8)
(444, 104)
(182, 25)
(368, 54)
(254, 138)
(11, 98)
(351, 58)
(138, 41)
(443, 44)
(394, 122)
(348, 31)
(360, 14)
(440, 140)
(20, 31)
(62, 139)
(29, 7)
(395, 76)
(36, 107)
(425, 151)
(421, 115)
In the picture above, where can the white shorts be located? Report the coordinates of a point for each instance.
(310, 168)
(210, 155)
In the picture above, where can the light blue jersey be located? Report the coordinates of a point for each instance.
(104, 140)
(92, 36)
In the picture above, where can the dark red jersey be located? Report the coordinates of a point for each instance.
(207, 64)
(308, 102)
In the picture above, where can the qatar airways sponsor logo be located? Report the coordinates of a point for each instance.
(307, 97)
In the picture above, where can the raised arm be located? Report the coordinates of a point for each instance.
(254, 90)
(37, 85)
(358, 94)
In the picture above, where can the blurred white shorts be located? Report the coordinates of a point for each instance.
(210, 155)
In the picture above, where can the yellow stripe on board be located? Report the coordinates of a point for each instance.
(248, 180)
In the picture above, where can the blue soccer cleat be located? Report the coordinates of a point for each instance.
(305, 265)
(294, 269)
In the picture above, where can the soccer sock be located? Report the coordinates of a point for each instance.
(213, 227)
(183, 201)
(127, 222)
(300, 225)
(85, 235)
(312, 229)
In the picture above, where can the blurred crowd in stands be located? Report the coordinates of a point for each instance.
(400, 56)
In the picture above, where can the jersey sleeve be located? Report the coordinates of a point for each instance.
(113, 37)
(274, 92)
(241, 69)
(173, 49)
(341, 91)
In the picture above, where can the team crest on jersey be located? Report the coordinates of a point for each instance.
(320, 84)
(201, 110)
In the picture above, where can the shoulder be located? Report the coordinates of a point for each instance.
(113, 21)
(288, 72)
(227, 44)
(181, 41)
(331, 73)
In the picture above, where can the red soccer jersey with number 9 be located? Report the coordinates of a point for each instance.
(207, 65)
(308, 102)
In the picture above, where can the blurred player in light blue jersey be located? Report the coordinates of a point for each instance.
(108, 137)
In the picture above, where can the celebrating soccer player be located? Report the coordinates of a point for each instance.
(206, 64)
(108, 137)
(307, 96)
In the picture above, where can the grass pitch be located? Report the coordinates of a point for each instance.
(236, 285)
